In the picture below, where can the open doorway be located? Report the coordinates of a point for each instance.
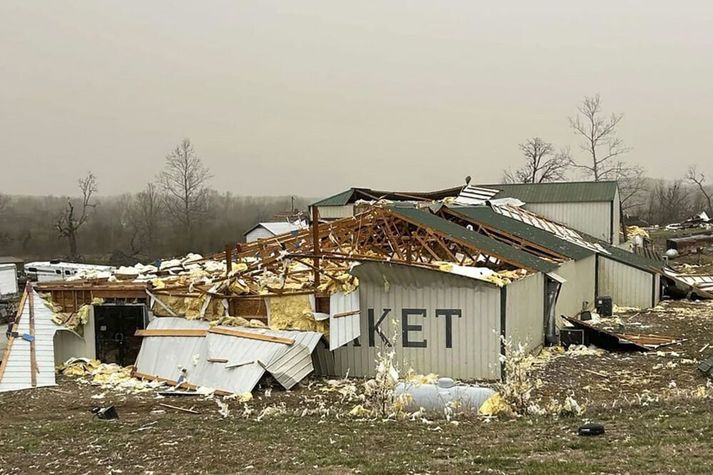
(115, 326)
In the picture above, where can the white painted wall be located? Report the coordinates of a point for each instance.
(8, 279)
(590, 218)
(626, 285)
(525, 317)
(475, 337)
(580, 286)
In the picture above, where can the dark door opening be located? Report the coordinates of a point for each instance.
(115, 326)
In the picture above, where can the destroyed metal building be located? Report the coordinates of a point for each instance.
(442, 279)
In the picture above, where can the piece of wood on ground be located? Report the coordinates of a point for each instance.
(190, 411)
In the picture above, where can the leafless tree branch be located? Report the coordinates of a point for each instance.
(68, 224)
(542, 163)
(698, 179)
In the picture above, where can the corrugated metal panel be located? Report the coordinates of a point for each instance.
(626, 285)
(469, 351)
(559, 230)
(471, 195)
(590, 218)
(342, 330)
(257, 233)
(580, 285)
(8, 279)
(166, 356)
(529, 227)
(292, 366)
(247, 358)
(17, 373)
(704, 282)
(485, 244)
(525, 312)
(336, 212)
(562, 192)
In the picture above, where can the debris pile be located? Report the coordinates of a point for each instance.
(106, 376)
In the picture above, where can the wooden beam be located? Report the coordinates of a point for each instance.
(33, 349)
(151, 377)
(11, 339)
(346, 314)
(165, 307)
(172, 332)
(252, 336)
(315, 243)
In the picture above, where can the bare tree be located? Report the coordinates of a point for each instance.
(71, 220)
(144, 216)
(599, 140)
(183, 182)
(698, 179)
(542, 163)
(672, 202)
(632, 185)
(4, 201)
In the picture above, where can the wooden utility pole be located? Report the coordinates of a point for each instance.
(315, 244)
(228, 258)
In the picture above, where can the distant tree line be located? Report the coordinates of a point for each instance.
(175, 213)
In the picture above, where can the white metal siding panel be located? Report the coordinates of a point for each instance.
(69, 344)
(626, 285)
(525, 312)
(258, 233)
(590, 218)
(657, 295)
(165, 356)
(342, 330)
(475, 335)
(617, 218)
(579, 288)
(8, 279)
(17, 373)
(335, 212)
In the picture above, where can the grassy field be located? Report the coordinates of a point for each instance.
(51, 432)
(657, 409)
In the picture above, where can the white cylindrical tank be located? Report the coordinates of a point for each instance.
(436, 397)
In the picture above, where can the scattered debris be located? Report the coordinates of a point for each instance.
(591, 428)
(105, 413)
(620, 341)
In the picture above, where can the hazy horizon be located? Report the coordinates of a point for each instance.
(309, 98)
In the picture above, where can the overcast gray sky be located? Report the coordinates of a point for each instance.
(309, 97)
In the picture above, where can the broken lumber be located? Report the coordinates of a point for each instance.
(252, 336)
(171, 332)
(190, 411)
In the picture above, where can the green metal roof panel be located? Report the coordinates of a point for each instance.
(488, 217)
(340, 199)
(484, 243)
(630, 258)
(581, 191)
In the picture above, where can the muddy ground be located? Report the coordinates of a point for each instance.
(656, 408)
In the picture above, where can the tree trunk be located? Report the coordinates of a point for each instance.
(72, 238)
